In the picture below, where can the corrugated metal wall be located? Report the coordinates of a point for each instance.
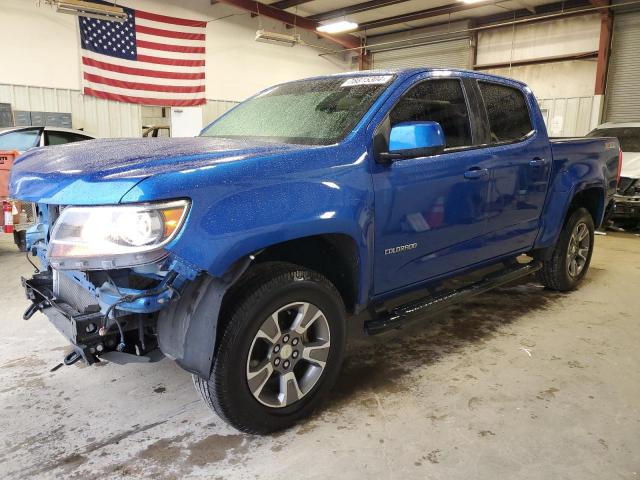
(102, 118)
(455, 53)
(567, 117)
(622, 98)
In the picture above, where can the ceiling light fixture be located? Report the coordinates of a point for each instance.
(337, 27)
(82, 8)
(469, 2)
(277, 38)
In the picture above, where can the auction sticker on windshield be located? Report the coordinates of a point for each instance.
(372, 80)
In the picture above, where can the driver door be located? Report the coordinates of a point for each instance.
(431, 212)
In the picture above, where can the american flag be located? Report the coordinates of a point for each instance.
(149, 59)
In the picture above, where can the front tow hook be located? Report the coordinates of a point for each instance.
(71, 358)
(33, 308)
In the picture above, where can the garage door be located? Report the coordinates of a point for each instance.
(450, 54)
(622, 98)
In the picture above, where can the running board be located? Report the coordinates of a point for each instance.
(399, 316)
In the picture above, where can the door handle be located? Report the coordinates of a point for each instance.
(538, 162)
(474, 173)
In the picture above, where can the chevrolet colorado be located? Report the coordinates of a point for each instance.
(241, 253)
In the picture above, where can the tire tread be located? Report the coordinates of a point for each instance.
(552, 274)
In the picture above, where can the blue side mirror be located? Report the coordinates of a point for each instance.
(415, 139)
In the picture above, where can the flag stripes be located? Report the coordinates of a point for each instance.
(149, 59)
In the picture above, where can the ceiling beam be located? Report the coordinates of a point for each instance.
(423, 14)
(357, 8)
(284, 4)
(345, 40)
(537, 61)
(566, 5)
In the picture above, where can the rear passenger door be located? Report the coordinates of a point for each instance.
(520, 167)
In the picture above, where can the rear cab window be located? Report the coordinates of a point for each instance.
(507, 112)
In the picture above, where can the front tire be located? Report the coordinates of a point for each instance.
(20, 239)
(280, 349)
(571, 255)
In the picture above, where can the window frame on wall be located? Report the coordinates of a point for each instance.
(523, 138)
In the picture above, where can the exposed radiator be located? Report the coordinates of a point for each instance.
(71, 293)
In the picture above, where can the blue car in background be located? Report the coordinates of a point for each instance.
(242, 253)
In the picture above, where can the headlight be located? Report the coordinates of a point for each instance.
(114, 236)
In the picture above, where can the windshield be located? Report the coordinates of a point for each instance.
(629, 137)
(310, 112)
(20, 140)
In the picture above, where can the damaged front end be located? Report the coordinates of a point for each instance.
(103, 288)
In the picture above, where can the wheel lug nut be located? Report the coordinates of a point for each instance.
(286, 364)
(285, 339)
(276, 349)
(276, 362)
(294, 342)
(295, 354)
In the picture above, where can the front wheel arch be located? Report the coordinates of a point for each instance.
(268, 286)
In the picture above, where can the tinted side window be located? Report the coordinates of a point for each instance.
(439, 101)
(507, 111)
(58, 138)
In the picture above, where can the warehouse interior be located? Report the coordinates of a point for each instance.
(518, 382)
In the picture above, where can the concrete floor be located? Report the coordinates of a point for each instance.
(521, 383)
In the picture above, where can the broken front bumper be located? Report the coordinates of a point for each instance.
(81, 329)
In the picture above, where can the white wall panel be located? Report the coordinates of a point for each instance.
(574, 78)
(102, 118)
(528, 41)
(447, 54)
(569, 117)
(41, 47)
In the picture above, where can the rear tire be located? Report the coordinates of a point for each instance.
(571, 255)
(250, 388)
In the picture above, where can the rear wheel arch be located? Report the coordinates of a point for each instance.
(591, 199)
(575, 240)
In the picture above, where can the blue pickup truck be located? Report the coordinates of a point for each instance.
(242, 253)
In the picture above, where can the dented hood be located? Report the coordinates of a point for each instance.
(101, 171)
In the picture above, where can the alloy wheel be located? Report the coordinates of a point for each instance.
(578, 250)
(288, 354)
